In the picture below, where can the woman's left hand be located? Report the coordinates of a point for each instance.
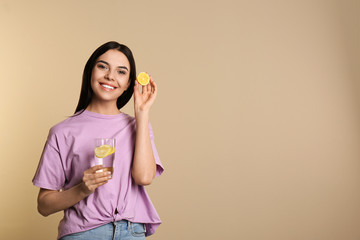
(144, 100)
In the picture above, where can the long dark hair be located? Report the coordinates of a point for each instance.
(86, 93)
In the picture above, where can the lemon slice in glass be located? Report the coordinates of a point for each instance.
(103, 151)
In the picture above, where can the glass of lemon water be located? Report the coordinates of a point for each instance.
(105, 153)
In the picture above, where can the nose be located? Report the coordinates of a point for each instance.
(110, 75)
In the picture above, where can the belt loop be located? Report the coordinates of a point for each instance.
(129, 224)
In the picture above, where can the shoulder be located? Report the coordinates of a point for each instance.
(66, 125)
(128, 119)
(127, 116)
(60, 126)
(132, 121)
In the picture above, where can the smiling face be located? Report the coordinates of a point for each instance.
(110, 76)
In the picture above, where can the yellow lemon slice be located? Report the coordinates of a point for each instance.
(104, 150)
(143, 78)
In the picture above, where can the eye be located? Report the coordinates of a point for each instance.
(121, 72)
(101, 66)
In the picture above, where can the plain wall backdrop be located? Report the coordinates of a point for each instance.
(256, 120)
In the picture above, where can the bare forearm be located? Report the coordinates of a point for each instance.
(144, 167)
(50, 202)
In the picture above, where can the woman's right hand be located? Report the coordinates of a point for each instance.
(93, 179)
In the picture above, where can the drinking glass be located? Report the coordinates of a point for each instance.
(104, 153)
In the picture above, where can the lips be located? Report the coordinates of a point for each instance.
(107, 87)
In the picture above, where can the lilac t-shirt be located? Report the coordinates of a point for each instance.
(69, 151)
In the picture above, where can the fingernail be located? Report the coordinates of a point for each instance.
(108, 173)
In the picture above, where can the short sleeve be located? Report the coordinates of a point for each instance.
(50, 173)
(159, 166)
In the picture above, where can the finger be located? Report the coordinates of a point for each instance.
(93, 175)
(93, 169)
(153, 94)
(151, 79)
(136, 88)
(103, 174)
(95, 186)
(149, 87)
(98, 180)
(100, 173)
(101, 179)
(153, 89)
(144, 89)
(154, 86)
(97, 167)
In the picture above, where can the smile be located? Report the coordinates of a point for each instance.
(107, 87)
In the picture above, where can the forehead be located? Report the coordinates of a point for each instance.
(115, 58)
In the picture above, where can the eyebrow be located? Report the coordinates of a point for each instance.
(109, 64)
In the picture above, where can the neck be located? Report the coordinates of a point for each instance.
(103, 108)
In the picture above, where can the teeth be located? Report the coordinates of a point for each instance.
(107, 86)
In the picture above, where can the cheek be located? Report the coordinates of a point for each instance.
(124, 82)
(95, 74)
(92, 81)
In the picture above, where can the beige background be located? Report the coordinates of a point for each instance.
(256, 121)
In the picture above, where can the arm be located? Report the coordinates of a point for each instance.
(52, 201)
(144, 167)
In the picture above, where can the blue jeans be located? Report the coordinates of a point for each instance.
(120, 230)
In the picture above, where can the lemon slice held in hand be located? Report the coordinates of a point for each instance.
(104, 150)
(143, 78)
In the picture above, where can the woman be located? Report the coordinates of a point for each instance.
(98, 204)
